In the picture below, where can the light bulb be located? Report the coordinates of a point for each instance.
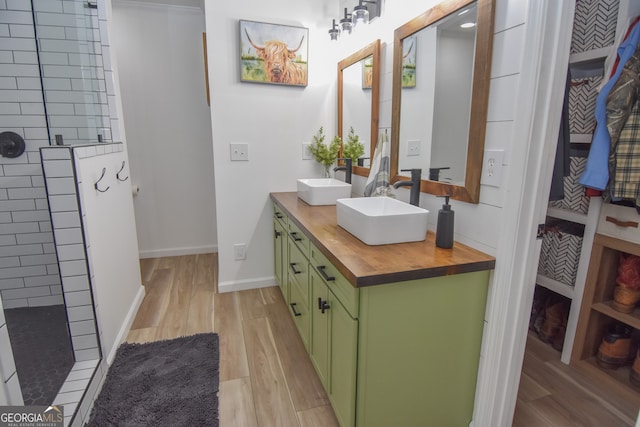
(360, 15)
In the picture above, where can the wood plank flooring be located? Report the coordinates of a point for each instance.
(266, 377)
(555, 395)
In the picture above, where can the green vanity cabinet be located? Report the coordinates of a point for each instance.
(334, 337)
(398, 342)
(280, 221)
(418, 351)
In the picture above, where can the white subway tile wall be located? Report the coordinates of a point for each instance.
(28, 264)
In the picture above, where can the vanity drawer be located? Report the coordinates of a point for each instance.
(621, 222)
(300, 311)
(336, 282)
(278, 213)
(298, 269)
(298, 237)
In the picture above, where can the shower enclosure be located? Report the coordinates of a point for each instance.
(61, 85)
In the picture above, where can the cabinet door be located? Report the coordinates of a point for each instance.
(342, 362)
(300, 312)
(320, 324)
(280, 256)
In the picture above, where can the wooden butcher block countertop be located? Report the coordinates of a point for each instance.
(365, 265)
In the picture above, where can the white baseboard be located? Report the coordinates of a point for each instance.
(243, 285)
(193, 250)
(126, 325)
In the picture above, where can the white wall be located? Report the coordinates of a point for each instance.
(161, 70)
(274, 120)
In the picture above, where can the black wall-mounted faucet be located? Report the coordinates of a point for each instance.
(416, 177)
(347, 168)
(434, 173)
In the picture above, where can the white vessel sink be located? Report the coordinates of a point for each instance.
(322, 191)
(382, 220)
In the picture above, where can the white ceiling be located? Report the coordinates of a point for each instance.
(190, 3)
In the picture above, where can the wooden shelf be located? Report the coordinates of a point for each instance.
(581, 138)
(567, 215)
(555, 286)
(588, 64)
(631, 319)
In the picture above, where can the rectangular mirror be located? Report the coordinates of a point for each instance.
(440, 97)
(359, 99)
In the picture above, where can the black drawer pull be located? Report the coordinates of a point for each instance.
(324, 275)
(295, 237)
(278, 215)
(293, 268)
(293, 308)
(278, 234)
(324, 305)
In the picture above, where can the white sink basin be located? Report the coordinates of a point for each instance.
(382, 220)
(322, 191)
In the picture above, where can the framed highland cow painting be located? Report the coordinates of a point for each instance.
(273, 54)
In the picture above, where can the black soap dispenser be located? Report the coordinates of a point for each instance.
(444, 228)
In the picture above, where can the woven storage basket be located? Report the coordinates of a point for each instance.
(560, 254)
(574, 194)
(582, 104)
(594, 24)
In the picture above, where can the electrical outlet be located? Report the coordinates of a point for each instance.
(306, 153)
(240, 251)
(239, 152)
(492, 168)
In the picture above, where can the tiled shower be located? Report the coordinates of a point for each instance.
(80, 105)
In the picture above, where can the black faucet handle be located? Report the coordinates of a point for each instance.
(416, 173)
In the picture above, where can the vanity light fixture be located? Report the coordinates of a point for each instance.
(363, 13)
(334, 31)
(346, 24)
(360, 14)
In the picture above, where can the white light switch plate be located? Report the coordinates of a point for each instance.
(239, 152)
(413, 148)
(306, 153)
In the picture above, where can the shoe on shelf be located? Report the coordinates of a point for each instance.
(555, 315)
(615, 349)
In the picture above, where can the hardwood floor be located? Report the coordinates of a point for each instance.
(266, 377)
(553, 394)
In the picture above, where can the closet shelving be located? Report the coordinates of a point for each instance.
(585, 64)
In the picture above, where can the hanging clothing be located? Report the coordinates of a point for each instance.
(379, 172)
(596, 174)
(625, 160)
(623, 97)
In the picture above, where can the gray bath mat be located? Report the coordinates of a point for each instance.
(163, 383)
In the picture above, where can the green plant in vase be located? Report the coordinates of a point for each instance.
(353, 148)
(323, 154)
